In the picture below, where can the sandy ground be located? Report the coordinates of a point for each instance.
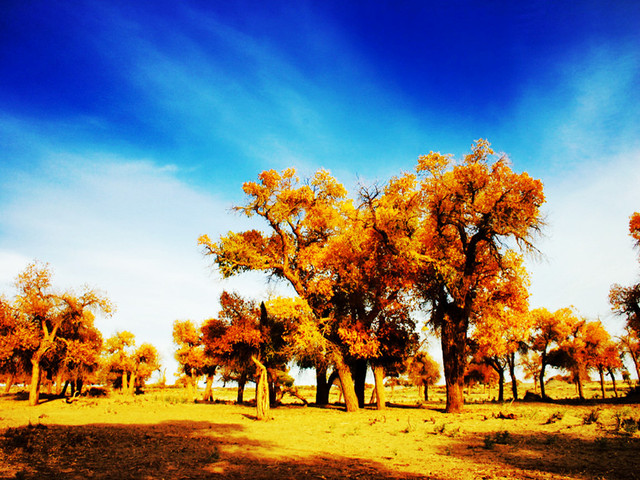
(163, 436)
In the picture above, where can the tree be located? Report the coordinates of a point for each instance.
(549, 328)
(300, 219)
(191, 356)
(119, 349)
(423, 371)
(625, 301)
(502, 329)
(145, 361)
(18, 341)
(584, 349)
(48, 313)
(132, 367)
(455, 221)
(234, 338)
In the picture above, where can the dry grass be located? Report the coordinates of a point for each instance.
(163, 435)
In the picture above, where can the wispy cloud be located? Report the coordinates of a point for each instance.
(126, 227)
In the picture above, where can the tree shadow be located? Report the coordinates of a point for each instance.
(609, 456)
(168, 450)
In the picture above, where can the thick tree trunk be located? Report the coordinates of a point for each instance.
(579, 385)
(241, 383)
(500, 384)
(262, 392)
(132, 383)
(8, 383)
(323, 385)
(454, 342)
(208, 397)
(36, 377)
(125, 384)
(359, 371)
(348, 387)
(378, 375)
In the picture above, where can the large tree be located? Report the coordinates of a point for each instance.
(301, 220)
(458, 223)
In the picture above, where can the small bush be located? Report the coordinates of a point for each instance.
(591, 417)
(555, 417)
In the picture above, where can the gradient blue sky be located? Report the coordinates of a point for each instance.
(127, 129)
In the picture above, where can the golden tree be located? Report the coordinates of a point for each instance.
(301, 219)
(454, 223)
(48, 313)
(549, 330)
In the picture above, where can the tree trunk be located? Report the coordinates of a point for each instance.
(454, 342)
(241, 383)
(8, 383)
(262, 392)
(322, 386)
(613, 381)
(426, 392)
(208, 397)
(601, 373)
(125, 384)
(378, 374)
(359, 371)
(346, 381)
(542, 367)
(132, 383)
(512, 373)
(36, 377)
(579, 385)
(500, 382)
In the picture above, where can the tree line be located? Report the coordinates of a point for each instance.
(446, 240)
(49, 335)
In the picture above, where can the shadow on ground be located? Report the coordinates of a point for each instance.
(609, 456)
(170, 450)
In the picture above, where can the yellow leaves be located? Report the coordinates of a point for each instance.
(434, 163)
(359, 341)
(634, 227)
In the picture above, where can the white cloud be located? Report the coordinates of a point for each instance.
(127, 228)
(587, 247)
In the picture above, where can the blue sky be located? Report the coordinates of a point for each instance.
(127, 129)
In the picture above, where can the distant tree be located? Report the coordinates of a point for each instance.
(531, 363)
(235, 338)
(145, 361)
(549, 328)
(191, 356)
(48, 313)
(119, 350)
(423, 371)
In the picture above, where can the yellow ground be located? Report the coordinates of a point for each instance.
(162, 435)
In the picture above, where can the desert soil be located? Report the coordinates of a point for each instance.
(164, 436)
